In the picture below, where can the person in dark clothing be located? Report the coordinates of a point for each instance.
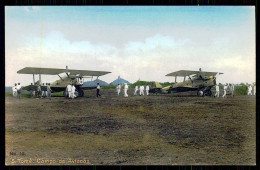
(98, 90)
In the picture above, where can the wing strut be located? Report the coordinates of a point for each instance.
(60, 77)
(40, 79)
(67, 74)
(190, 79)
(33, 79)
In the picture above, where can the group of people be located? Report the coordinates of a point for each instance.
(17, 89)
(71, 89)
(251, 89)
(41, 92)
(118, 89)
(227, 86)
(35, 92)
(44, 92)
(141, 89)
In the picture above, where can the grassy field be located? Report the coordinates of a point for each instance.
(169, 129)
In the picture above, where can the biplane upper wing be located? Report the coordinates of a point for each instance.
(38, 70)
(183, 73)
(55, 71)
(88, 72)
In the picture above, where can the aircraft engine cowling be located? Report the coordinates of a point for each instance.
(79, 76)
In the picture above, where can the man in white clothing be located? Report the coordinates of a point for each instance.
(125, 90)
(98, 90)
(141, 90)
(14, 90)
(136, 90)
(249, 90)
(225, 90)
(232, 88)
(19, 90)
(69, 88)
(73, 89)
(217, 91)
(44, 91)
(118, 89)
(48, 90)
(147, 90)
(39, 91)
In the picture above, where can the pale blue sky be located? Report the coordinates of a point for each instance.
(145, 42)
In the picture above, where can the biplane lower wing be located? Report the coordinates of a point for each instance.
(44, 88)
(182, 89)
(34, 88)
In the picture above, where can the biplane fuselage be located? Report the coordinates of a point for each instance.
(192, 85)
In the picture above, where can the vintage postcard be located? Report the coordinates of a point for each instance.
(130, 85)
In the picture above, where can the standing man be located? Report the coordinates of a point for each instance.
(147, 90)
(118, 88)
(19, 90)
(43, 91)
(14, 89)
(98, 90)
(249, 90)
(69, 88)
(125, 90)
(217, 91)
(48, 90)
(225, 90)
(31, 90)
(39, 90)
(232, 87)
(136, 90)
(73, 89)
(228, 87)
(141, 90)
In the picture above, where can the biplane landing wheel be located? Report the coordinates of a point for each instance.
(80, 92)
(209, 93)
(200, 93)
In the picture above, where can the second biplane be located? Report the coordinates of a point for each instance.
(200, 81)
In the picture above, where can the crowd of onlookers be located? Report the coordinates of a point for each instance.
(39, 90)
(141, 90)
(45, 90)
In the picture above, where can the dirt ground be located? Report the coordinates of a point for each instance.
(165, 129)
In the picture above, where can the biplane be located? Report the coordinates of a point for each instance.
(200, 81)
(75, 76)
